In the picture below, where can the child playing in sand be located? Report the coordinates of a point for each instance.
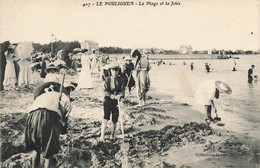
(114, 87)
(46, 121)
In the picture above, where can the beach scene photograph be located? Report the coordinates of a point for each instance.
(130, 84)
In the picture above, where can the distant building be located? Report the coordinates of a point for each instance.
(185, 49)
(89, 45)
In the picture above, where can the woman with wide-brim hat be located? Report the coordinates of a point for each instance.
(46, 121)
(114, 87)
(209, 90)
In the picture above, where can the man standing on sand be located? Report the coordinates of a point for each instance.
(250, 74)
(114, 87)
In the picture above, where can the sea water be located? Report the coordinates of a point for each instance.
(181, 82)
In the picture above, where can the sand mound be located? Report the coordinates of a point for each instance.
(12, 134)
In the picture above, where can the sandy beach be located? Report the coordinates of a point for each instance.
(163, 133)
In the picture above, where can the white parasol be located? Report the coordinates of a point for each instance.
(59, 62)
(24, 50)
(59, 53)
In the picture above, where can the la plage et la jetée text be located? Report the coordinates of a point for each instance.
(131, 3)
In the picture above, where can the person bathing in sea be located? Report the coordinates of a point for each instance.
(250, 74)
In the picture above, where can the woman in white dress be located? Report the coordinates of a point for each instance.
(25, 75)
(85, 80)
(10, 79)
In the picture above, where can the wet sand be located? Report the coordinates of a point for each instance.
(163, 133)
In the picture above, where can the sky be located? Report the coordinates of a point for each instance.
(203, 24)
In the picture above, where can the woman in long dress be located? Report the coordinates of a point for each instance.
(10, 79)
(85, 80)
(142, 76)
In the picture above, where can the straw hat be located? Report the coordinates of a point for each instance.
(84, 50)
(113, 65)
(12, 46)
(77, 50)
(51, 66)
(129, 58)
(50, 86)
(223, 87)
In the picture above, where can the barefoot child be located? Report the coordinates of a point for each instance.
(114, 88)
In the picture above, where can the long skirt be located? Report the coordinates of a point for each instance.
(10, 75)
(85, 80)
(143, 84)
(42, 132)
(25, 75)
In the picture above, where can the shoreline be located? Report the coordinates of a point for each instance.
(174, 121)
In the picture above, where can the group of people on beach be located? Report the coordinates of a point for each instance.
(15, 69)
(49, 113)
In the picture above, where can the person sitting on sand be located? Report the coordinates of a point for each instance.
(52, 72)
(114, 87)
(207, 91)
(250, 74)
(46, 121)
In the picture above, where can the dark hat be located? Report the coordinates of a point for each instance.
(51, 66)
(50, 86)
(84, 50)
(135, 52)
(113, 65)
(69, 86)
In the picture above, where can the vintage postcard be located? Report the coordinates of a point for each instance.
(130, 83)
